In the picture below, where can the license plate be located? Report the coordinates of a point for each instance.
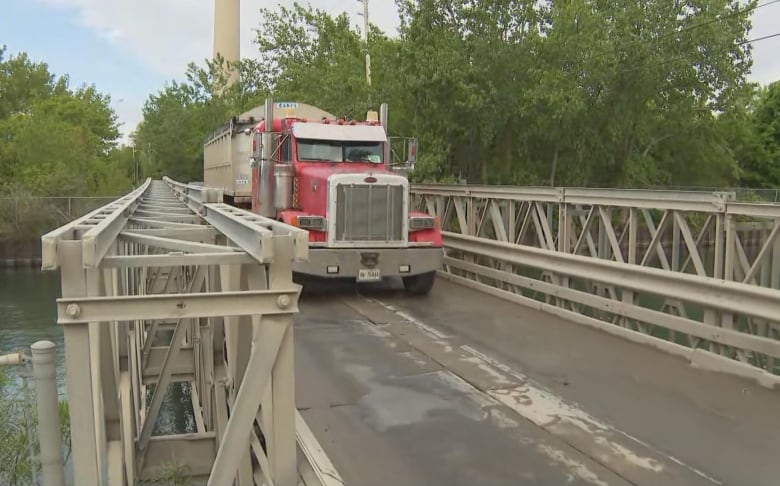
(369, 275)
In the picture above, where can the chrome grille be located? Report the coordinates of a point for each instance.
(369, 212)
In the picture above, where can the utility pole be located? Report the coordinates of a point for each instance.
(365, 38)
(135, 165)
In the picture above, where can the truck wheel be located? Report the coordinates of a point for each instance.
(419, 284)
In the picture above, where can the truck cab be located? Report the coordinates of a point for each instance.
(335, 179)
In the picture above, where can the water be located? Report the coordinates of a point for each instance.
(28, 313)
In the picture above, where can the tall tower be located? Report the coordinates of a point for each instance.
(227, 34)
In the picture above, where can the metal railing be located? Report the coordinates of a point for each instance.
(692, 273)
(169, 285)
(746, 194)
(707, 234)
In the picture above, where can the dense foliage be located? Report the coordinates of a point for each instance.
(55, 140)
(580, 92)
(19, 449)
(177, 119)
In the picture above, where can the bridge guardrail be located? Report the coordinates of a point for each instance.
(685, 233)
(630, 301)
(707, 234)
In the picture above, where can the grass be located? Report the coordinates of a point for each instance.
(171, 475)
(19, 464)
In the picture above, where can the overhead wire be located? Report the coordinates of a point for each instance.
(689, 28)
(680, 58)
(721, 18)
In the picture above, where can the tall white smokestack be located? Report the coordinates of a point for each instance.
(227, 34)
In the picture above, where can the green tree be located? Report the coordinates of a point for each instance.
(760, 149)
(625, 86)
(19, 434)
(55, 140)
(580, 92)
(169, 139)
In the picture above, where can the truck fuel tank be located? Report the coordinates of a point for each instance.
(283, 190)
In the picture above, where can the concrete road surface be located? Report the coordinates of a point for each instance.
(462, 388)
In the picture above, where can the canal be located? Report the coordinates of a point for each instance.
(28, 314)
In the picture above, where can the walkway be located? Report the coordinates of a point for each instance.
(462, 388)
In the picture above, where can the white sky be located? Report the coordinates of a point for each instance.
(164, 35)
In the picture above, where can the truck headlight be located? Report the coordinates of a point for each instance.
(317, 223)
(421, 223)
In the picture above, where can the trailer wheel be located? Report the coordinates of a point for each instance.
(419, 284)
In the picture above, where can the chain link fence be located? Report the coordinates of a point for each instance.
(31, 216)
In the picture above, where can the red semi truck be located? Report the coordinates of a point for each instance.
(335, 179)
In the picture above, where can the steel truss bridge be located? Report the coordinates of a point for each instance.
(574, 336)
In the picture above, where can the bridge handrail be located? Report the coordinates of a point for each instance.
(722, 294)
(709, 234)
(700, 201)
(500, 272)
(97, 230)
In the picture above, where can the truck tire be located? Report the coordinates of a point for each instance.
(419, 284)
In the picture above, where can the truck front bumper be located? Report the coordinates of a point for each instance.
(363, 263)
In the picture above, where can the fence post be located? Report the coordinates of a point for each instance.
(48, 414)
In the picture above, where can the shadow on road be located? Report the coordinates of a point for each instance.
(318, 288)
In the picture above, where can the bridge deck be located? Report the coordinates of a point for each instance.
(464, 388)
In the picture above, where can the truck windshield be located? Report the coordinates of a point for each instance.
(336, 151)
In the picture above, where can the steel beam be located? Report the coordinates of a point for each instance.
(139, 270)
(514, 193)
(176, 259)
(104, 224)
(173, 244)
(171, 354)
(156, 223)
(177, 306)
(725, 295)
(79, 364)
(241, 230)
(265, 346)
(730, 337)
(98, 240)
(203, 234)
(319, 465)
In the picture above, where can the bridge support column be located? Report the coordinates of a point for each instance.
(88, 457)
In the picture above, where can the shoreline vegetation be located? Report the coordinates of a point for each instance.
(57, 140)
(535, 93)
(529, 93)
